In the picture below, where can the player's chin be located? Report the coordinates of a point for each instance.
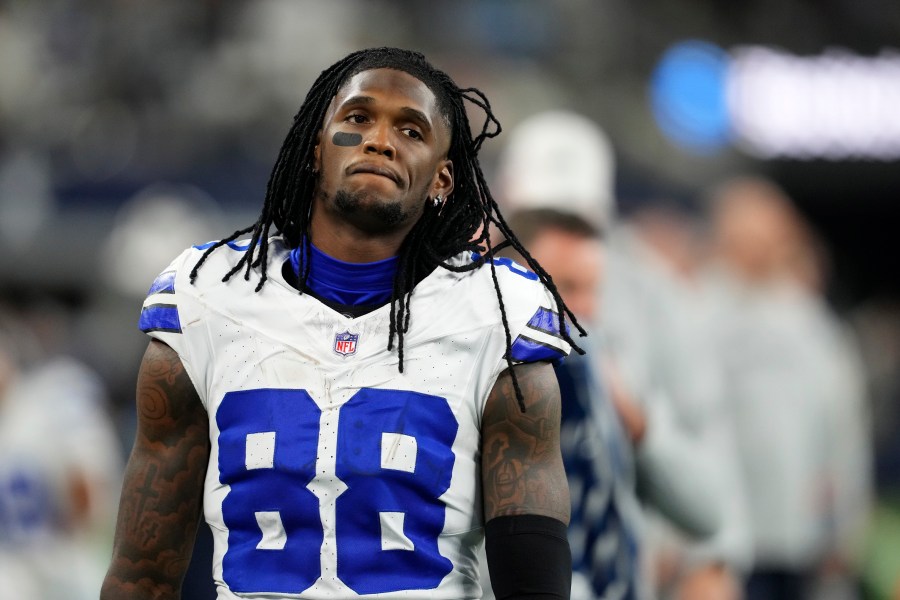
(384, 216)
(372, 211)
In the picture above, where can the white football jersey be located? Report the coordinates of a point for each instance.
(332, 474)
(54, 431)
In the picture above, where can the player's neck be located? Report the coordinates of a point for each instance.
(344, 282)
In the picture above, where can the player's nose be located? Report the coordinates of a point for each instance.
(379, 140)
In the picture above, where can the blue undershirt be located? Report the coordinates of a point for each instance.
(349, 284)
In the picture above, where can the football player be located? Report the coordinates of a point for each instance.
(354, 390)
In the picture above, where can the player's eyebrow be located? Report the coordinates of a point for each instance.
(358, 101)
(412, 113)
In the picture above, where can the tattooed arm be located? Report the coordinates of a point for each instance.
(162, 493)
(526, 494)
(522, 468)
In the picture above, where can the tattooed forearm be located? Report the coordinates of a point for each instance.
(162, 494)
(522, 470)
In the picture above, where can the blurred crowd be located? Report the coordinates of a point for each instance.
(753, 452)
(729, 434)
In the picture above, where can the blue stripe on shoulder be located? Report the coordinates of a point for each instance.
(510, 264)
(160, 317)
(233, 245)
(164, 284)
(525, 350)
(546, 321)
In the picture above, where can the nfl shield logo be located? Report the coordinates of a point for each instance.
(345, 343)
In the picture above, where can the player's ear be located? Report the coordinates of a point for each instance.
(317, 154)
(443, 180)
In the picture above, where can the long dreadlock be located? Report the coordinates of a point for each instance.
(442, 231)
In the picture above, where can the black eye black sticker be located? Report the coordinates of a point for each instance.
(342, 138)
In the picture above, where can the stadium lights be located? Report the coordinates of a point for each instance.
(771, 104)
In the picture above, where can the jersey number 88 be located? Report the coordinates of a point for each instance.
(392, 461)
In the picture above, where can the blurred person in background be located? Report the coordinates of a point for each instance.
(596, 442)
(59, 462)
(16, 569)
(794, 378)
(662, 243)
(564, 161)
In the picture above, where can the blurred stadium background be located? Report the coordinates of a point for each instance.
(131, 130)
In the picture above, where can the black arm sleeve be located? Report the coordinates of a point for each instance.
(528, 557)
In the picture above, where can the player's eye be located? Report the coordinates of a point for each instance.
(357, 118)
(413, 133)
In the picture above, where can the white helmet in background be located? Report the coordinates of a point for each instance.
(558, 159)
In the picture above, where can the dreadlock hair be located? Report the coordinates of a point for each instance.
(442, 231)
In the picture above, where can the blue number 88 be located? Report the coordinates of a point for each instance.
(393, 453)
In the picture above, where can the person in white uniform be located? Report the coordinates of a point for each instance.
(60, 467)
(354, 390)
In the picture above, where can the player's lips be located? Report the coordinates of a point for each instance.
(376, 170)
